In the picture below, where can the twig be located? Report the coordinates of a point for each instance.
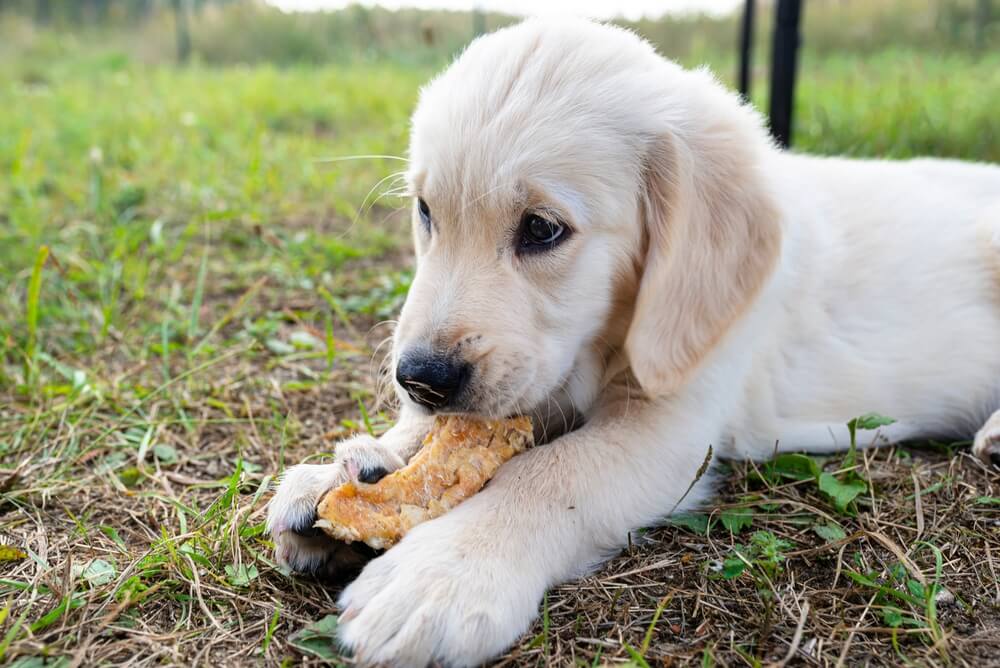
(796, 638)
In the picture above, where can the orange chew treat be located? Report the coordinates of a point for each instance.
(458, 457)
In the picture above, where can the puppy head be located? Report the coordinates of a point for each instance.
(560, 205)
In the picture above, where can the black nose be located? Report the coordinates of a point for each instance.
(432, 380)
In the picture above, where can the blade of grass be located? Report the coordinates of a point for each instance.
(269, 631)
(342, 315)
(652, 625)
(34, 294)
(69, 602)
(637, 658)
(365, 418)
(12, 631)
(199, 292)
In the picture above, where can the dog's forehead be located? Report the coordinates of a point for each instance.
(552, 106)
(517, 155)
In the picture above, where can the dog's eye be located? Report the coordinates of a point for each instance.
(539, 234)
(425, 213)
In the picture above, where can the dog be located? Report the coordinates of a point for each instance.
(613, 245)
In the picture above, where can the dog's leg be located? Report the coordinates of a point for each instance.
(292, 510)
(986, 445)
(459, 589)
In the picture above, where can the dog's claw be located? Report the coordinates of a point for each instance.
(372, 474)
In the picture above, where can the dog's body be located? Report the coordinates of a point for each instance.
(697, 287)
(885, 299)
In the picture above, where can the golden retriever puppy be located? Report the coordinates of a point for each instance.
(613, 245)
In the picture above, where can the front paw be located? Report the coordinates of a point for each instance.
(299, 545)
(435, 598)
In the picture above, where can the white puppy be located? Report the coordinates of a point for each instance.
(613, 245)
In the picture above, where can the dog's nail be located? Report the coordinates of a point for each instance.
(306, 528)
(352, 469)
(372, 475)
(349, 614)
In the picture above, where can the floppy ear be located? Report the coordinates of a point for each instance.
(713, 237)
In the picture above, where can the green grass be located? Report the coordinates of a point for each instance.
(187, 299)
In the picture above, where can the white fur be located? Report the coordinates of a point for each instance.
(716, 292)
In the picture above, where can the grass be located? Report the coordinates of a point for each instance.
(190, 300)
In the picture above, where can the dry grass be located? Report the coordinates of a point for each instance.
(170, 518)
(208, 315)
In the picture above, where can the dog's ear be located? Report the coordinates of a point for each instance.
(713, 237)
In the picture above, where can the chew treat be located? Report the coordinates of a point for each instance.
(458, 456)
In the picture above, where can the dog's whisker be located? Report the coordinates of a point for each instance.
(373, 156)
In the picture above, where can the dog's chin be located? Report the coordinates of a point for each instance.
(495, 409)
(486, 412)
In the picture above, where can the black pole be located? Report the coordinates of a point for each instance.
(183, 30)
(746, 49)
(478, 20)
(43, 11)
(783, 65)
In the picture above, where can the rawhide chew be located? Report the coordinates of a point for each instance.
(458, 457)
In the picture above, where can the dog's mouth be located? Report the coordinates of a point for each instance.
(497, 388)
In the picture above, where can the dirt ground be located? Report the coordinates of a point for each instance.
(141, 531)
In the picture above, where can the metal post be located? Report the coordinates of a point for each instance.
(43, 11)
(746, 49)
(183, 30)
(478, 20)
(783, 65)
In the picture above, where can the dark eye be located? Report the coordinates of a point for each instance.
(425, 213)
(540, 234)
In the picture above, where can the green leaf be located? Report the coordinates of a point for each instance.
(35, 661)
(841, 493)
(862, 579)
(867, 421)
(870, 421)
(916, 589)
(829, 532)
(242, 575)
(988, 500)
(732, 567)
(112, 533)
(736, 519)
(11, 553)
(189, 548)
(318, 639)
(793, 466)
(892, 617)
(130, 476)
(279, 347)
(304, 340)
(97, 572)
(694, 522)
(166, 454)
